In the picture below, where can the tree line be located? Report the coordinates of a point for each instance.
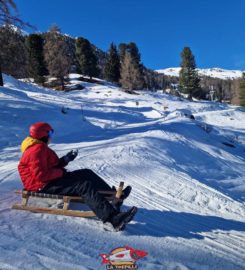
(41, 55)
(52, 53)
(205, 87)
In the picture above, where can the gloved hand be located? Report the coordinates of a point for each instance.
(70, 156)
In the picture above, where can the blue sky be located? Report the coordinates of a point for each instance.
(213, 29)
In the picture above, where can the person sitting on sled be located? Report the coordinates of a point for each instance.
(42, 171)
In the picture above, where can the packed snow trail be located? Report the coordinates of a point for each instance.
(189, 186)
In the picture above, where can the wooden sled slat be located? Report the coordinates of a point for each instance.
(58, 197)
(73, 213)
(25, 193)
(30, 194)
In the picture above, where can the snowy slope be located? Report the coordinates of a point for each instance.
(188, 185)
(211, 72)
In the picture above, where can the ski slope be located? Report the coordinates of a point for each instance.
(188, 178)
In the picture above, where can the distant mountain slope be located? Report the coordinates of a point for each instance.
(211, 72)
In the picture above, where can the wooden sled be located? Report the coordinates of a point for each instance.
(113, 196)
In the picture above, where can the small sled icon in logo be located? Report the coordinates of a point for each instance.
(123, 258)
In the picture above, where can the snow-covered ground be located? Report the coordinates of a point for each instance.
(211, 72)
(188, 178)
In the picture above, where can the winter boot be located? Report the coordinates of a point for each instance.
(120, 220)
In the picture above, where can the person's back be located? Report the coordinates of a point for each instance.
(38, 165)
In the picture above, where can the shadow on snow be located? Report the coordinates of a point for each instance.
(179, 224)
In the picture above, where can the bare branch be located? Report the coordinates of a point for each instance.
(9, 15)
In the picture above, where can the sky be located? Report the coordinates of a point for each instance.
(213, 29)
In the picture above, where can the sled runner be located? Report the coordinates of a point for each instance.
(113, 196)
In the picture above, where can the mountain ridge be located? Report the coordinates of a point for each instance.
(216, 72)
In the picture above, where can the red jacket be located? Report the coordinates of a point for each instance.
(38, 165)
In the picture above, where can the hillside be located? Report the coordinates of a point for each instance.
(210, 72)
(187, 177)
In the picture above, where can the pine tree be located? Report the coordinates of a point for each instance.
(242, 90)
(13, 53)
(188, 77)
(153, 80)
(1, 76)
(130, 48)
(112, 66)
(9, 16)
(86, 58)
(56, 55)
(131, 75)
(122, 51)
(35, 57)
(134, 51)
(131, 68)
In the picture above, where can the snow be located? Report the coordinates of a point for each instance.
(74, 76)
(188, 185)
(211, 72)
(17, 29)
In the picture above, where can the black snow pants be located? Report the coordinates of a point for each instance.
(84, 183)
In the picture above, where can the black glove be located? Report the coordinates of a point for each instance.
(70, 156)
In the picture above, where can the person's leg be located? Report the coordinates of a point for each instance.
(61, 186)
(71, 185)
(97, 181)
(96, 201)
